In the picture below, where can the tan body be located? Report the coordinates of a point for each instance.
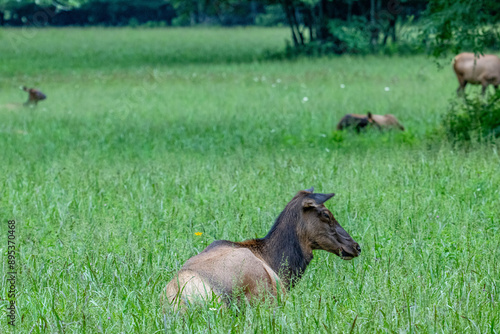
(387, 121)
(205, 276)
(260, 267)
(482, 70)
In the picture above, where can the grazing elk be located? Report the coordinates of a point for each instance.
(355, 121)
(34, 95)
(483, 70)
(259, 266)
(387, 121)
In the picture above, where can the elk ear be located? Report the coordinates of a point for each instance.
(321, 198)
(309, 203)
(313, 200)
(311, 190)
(369, 115)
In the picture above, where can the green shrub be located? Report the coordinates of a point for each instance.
(133, 23)
(351, 37)
(491, 39)
(354, 38)
(274, 16)
(181, 21)
(475, 117)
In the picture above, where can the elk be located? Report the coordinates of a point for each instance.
(387, 121)
(34, 96)
(481, 70)
(355, 121)
(260, 267)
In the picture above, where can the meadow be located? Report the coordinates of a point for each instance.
(149, 136)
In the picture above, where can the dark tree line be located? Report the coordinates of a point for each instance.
(102, 12)
(312, 14)
(336, 25)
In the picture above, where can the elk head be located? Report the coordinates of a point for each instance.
(321, 230)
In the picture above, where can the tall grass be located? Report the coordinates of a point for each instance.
(148, 136)
(76, 50)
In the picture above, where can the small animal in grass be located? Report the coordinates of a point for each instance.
(387, 121)
(355, 121)
(34, 96)
(480, 70)
(259, 267)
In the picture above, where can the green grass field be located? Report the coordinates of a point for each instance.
(151, 135)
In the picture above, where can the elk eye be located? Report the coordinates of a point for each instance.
(325, 215)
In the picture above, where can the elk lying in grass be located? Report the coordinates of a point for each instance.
(387, 121)
(34, 96)
(482, 70)
(260, 266)
(355, 121)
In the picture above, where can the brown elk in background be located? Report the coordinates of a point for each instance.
(261, 266)
(34, 96)
(481, 70)
(355, 121)
(387, 121)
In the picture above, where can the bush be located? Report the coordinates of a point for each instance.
(351, 37)
(133, 22)
(354, 38)
(491, 39)
(475, 117)
(181, 21)
(274, 16)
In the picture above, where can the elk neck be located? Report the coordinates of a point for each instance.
(283, 248)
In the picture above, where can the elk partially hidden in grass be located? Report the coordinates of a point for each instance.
(355, 121)
(261, 266)
(34, 96)
(387, 121)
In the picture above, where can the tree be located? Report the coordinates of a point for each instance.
(85, 12)
(307, 15)
(462, 25)
(340, 25)
(223, 12)
(66, 4)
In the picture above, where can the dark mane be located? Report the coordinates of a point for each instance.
(281, 247)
